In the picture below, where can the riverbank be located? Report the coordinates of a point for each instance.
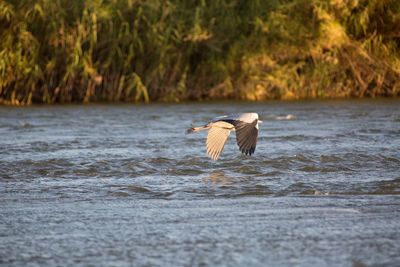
(128, 51)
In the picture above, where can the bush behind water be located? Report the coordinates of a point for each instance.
(126, 50)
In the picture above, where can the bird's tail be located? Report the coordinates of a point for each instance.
(195, 129)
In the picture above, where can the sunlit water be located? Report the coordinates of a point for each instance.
(124, 185)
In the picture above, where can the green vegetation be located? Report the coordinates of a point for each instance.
(61, 51)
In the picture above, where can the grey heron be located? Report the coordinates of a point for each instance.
(245, 125)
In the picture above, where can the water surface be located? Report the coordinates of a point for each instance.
(123, 185)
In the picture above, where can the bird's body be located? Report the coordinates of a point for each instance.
(245, 125)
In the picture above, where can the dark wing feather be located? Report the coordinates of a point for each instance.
(246, 136)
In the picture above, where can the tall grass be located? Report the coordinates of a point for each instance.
(132, 50)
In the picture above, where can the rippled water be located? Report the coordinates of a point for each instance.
(123, 185)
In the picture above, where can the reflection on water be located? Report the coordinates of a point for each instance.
(218, 177)
(123, 185)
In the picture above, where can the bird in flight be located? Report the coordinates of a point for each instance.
(245, 125)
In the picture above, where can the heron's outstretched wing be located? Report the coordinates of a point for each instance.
(216, 140)
(246, 136)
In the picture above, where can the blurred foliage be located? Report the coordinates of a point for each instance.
(62, 51)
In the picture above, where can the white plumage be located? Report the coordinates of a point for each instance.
(245, 125)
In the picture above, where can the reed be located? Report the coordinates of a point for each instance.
(129, 50)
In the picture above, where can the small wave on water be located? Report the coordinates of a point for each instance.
(287, 117)
(278, 117)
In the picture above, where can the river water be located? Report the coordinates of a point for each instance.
(123, 185)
